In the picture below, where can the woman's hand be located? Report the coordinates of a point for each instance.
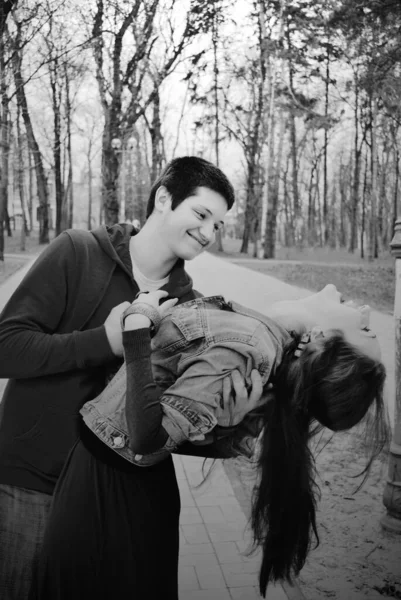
(151, 299)
(238, 400)
(154, 298)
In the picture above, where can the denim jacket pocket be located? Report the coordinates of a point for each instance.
(189, 321)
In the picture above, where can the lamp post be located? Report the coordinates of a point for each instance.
(392, 491)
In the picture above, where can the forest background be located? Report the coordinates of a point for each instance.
(298, 101)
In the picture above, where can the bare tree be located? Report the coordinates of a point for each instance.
(123, 81)
(5, 9)
(41, 180)
(21, 180)
(269, 202)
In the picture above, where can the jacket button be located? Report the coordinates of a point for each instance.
(118, 441)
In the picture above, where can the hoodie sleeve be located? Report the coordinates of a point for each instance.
(29, 346)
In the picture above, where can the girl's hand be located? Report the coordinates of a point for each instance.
(144, 318)
(238, 400)
(154, 298)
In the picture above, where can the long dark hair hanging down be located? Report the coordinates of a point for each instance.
(331, 384)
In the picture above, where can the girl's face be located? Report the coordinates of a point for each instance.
(353, 320)
(325, 312)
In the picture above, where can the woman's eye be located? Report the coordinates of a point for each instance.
(217, 227)
(199, 215)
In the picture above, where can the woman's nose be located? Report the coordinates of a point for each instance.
(331, 291)
(365, 315)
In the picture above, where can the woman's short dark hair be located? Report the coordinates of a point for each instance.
(183, 175)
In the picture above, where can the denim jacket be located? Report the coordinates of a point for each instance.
(197, 345)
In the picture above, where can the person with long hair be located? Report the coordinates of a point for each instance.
(320, 366)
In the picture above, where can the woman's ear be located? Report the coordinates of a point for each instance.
(316, 333)
(162, 200)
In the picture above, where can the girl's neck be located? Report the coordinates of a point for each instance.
(291, 320)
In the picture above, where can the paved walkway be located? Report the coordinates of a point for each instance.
(213, 526)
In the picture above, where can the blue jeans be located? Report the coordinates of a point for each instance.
(23, 515)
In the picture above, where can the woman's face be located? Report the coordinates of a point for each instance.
(326, 312)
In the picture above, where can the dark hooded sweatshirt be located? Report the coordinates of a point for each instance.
(54, 348)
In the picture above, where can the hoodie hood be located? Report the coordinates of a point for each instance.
(114, 241)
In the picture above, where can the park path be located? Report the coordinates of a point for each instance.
(213, 525)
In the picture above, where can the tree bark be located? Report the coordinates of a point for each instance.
(21, 187)
(396, 183)
(363, 216)
(30, 191)
(70, 182)
(372, 247)
(156, 139)
(269, 205)
(219, 235)
(90, 200)
(3, 131)
(271, 225)
(325, 144)
(355, 183)
(41, 181)
(61, 212)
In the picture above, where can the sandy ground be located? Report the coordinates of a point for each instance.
(356, 558)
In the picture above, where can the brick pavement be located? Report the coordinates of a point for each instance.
(215, 538)
(213, 524)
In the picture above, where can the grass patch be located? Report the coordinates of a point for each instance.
(12, 245)
(368, 283)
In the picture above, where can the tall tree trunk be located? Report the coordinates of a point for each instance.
(294, 162)
(355, 183)
(70, 182)
(252, 199)
(343, 202)
(325, 144)
(332, 230)
(41, 182)
(30, 191)
(156, 139)
(219, 235)
(90, 176)
(248, 215)
(363, 219)
(373, 187)
(271, 228)
(381, 237)
(268, 247)
(311, 207)
(396, 183)
(3, 140)
(21, 182)
(5, 10)
(61, 212)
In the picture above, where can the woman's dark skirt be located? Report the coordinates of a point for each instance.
(112, 530)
